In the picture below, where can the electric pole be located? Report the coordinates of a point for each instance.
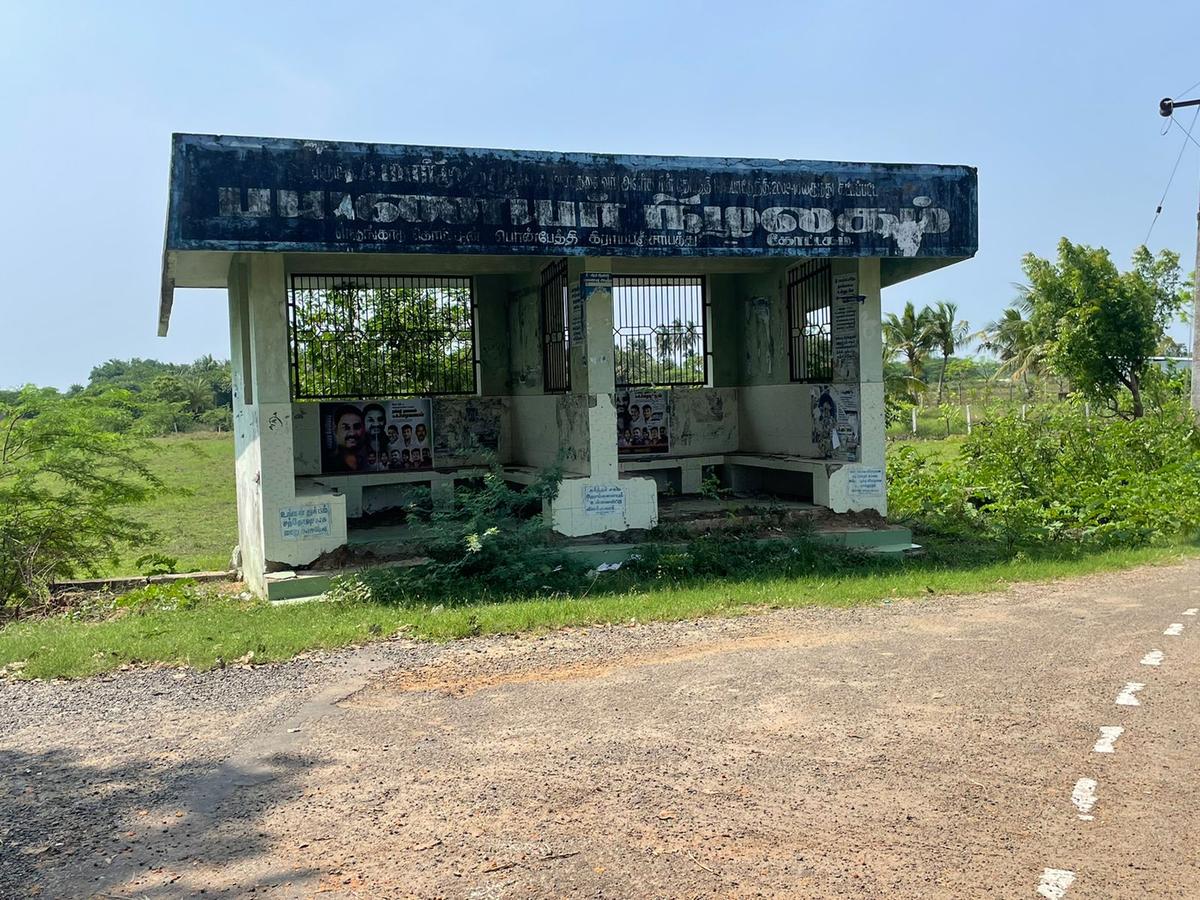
(1166, 108)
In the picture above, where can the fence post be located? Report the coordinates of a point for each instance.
(1087, 410)
(914, 419)
(968, 418)
(1023, 407)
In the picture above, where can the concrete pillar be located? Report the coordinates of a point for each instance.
(600, 500)
(846, 490)
(268, 506)
(592, 363)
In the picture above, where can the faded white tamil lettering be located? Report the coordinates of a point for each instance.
(1175, 629)
(1153, 658)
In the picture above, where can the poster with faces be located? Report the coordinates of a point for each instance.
(376, 436)
(642, 422)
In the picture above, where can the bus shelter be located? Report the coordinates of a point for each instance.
(407, 316)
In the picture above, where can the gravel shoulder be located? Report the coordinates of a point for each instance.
(914, 749)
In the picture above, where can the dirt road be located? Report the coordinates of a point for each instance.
(939, 748)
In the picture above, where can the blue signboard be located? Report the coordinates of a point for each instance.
(233, 193)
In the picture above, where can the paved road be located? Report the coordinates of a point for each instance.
(918, 749)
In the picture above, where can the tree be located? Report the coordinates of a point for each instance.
(946, 333)
(68, 471)
(384, 341)
(909, 335)
(1100, 326)
(1012, 340)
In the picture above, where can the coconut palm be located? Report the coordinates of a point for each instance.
(946, 335)
(909, 335)
(1011, 338)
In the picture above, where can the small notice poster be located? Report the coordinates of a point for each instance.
(642, 425)
(845, 328)
(865, 483)
(300, 523)
(836, 421)
(603, 500)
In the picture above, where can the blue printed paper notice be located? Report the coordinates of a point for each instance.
(603, 500)
(300, 523)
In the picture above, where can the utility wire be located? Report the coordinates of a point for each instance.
(1187, 134)
(1182, 147)
(1186, 91)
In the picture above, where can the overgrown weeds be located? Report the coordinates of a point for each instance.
(1058, 479)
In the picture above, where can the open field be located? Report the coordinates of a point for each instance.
(197, 515)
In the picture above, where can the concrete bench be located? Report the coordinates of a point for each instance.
(736, 463)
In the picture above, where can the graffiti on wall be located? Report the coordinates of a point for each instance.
(272, 194)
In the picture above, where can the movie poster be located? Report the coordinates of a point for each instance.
(836, 421)
(642, 424)
(378, 436)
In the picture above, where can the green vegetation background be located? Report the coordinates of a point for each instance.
(197, 514)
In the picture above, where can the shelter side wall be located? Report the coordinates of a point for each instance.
(534, 415)
(525, 337)
(492, 334)
(724, 329)
(763, 328)
(275, 479)
(247, 459)
(844, 495)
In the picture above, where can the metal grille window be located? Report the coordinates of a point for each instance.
(810, 339)
(381, 336)
(658, 330)
(556, 342)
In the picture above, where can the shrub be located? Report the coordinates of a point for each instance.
(1059, 478)
(491, 541)
(67, 477)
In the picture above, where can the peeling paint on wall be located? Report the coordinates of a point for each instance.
(759, 337)
(573, 431)
(704, 420)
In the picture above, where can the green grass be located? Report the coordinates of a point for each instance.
(197, 515)
(228, 629)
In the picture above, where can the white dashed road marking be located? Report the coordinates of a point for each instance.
(1108, 737)
(1153, 658)
(1084, 797)
(1126, 697)
(1174, 629)
(1054, 883)
(1192, 611)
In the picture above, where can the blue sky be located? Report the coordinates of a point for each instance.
(1056, 107)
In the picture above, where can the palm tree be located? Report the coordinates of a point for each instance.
(946, 334)
(1011, 338)
(909, 335)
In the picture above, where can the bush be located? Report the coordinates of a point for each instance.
(490, 542)
(67, 476)
(1058, 478)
